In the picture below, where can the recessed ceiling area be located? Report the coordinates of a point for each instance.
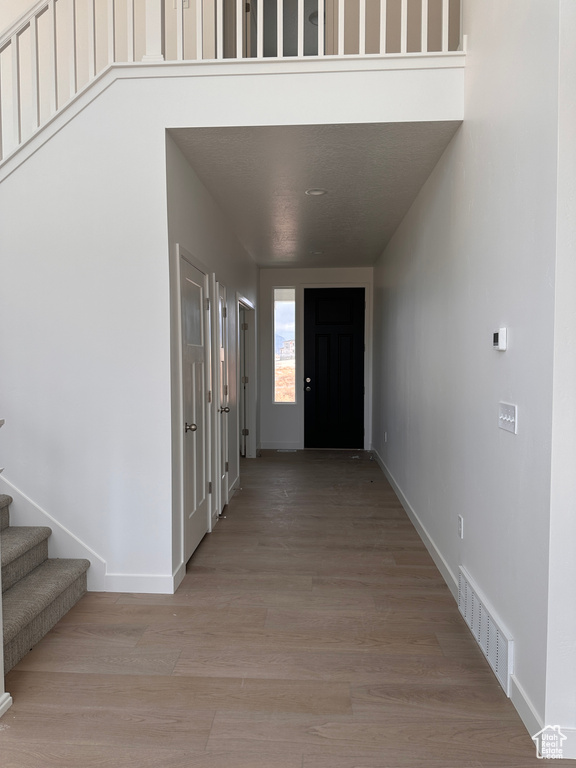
(370, 173)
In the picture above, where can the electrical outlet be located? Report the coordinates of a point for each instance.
(460, 526)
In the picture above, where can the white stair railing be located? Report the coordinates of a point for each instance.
(60, 46)
(54, 51)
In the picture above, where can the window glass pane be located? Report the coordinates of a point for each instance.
(284, 345)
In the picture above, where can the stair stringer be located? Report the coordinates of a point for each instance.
(62, 543)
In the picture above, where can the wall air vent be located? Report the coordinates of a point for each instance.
(495, 642)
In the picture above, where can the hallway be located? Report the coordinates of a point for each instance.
(312, 630)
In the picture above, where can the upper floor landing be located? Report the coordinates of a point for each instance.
(53, 56)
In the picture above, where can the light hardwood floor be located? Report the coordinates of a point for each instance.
(312, 630)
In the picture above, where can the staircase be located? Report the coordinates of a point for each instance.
(36, 591)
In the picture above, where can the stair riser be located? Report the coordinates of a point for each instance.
(31, 634)
(4, 511)
(23, 565)
(36, 592)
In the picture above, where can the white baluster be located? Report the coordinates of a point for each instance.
(91, 39)
(445, 23)
(53, 82)
(260, 29)
(424, 28)
(73, 49)
(280, 28)
(111, 32)
(383, 24)
(340, 27)
(16, 119)
(199, 31)
(240, 11)
(130, 25)
(180, 30)
(404, 27)
(34, 72)
(154, 31)
(321, 28)
(362, 28)
(219, 29)
(300, 27)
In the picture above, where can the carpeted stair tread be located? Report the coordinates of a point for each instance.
(23, 550)
(33, 594)
(17, 540)
(5, 502)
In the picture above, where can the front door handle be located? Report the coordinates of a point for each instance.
(190, 428)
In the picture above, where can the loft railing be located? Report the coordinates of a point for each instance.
(59, 47)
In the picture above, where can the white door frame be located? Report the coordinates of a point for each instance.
(252, 392)
(178, 440)
(221, 399)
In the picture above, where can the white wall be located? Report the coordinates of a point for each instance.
(282, 424)
(196, 223)
(476, 252)
(561, 674)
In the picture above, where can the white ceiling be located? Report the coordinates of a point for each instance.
(259, 175)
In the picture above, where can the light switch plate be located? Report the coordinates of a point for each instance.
(508, 417)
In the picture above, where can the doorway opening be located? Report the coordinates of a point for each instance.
(246, 379)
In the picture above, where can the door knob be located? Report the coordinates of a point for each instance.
(308, 389)
(190, 428)
(308, 380)
(225, 410)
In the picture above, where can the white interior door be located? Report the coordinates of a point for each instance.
(246, 378)
(195, 357)
(223, 395)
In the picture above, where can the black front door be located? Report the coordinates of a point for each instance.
(334, 367)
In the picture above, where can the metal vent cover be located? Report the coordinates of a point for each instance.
(496, 643)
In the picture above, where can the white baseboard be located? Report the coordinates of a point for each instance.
(233, 487)
(178, 575)
(528, 714)
(281, 446)
(62, 542)
(5, 702)
(447, 574)
(534, 723)
(569, 746)
(148, 583)
(524, 707)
